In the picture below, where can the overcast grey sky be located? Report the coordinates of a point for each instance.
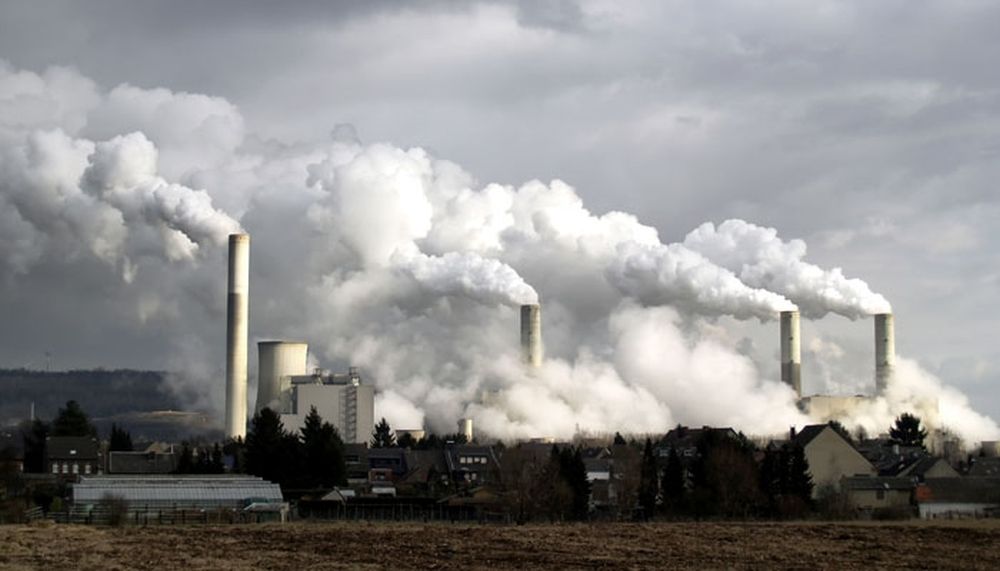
(871, 130)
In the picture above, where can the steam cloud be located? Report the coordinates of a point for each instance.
(395, 261)
(761, 259)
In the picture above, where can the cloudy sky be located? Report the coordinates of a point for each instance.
(869, 130)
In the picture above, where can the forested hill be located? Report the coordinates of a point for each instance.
(100, 392)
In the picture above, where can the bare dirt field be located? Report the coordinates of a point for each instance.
(359, 545)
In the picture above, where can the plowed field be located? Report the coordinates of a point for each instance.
(354, 545)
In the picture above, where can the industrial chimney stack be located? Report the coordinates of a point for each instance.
(791, 351)
(885, 351)
(237, 320)
(465, 428)
(531, 334)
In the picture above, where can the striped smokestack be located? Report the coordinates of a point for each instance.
(237, 324)
(791, 351)
(531, 334)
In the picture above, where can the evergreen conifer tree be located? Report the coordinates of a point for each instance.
(120, 440)
(648, 481)
(382, 436)
(323, 453)
(72, 421)
(906, 431)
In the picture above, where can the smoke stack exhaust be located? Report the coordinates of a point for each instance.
(531, 334)
(791, 351)
(885, 351)
(237, 322)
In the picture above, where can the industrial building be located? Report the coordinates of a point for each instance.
(154, 494)
(284, 383)
(825, 408)
(340, 399)
(285, 386)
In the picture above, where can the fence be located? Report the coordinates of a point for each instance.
(102, 514)
(398, 511)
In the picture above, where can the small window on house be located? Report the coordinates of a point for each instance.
(76, 468)
(55, 468)
(65, 468)
(86, 469)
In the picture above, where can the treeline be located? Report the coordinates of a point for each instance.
(312, 458)
(100, 392)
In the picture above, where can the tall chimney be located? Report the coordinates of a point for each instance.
(531, 334)
(885, 351)
(791, 351)
(237, 319)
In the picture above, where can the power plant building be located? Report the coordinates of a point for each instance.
(825, 408)
(277, 363)
(340, 399)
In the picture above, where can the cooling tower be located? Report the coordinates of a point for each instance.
(531, 334)
(277, 361)
(465, 427)
(791, 351)
(237, 320)
(885, 351)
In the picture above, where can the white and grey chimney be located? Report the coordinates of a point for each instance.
(885, 351)
(531, 334)
(791, 351)
(237, 325)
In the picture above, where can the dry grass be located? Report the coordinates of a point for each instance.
(354, 545)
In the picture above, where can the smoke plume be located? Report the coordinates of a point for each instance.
(395, 261)
(761, 259)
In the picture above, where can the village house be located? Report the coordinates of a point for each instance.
(831, 457)
(69, 457)
(958, 497)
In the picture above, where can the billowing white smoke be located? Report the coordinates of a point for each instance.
(74, 196)
(391, 260)
(761, 259)
(675, 275)
(464, 273)
(913, 390)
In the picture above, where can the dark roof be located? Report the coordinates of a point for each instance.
(876, 483)
(683, 437)
(71, 447)
(453, 453)
(922, 465)
(809, 433)
(141, 463)
(597, 464)
(892, 459)
(423, 463)
(985, 467)
(961, 490)
(11, 446)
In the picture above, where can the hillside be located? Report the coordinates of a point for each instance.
(101, 393)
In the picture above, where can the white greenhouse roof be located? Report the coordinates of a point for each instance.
(176, 489)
